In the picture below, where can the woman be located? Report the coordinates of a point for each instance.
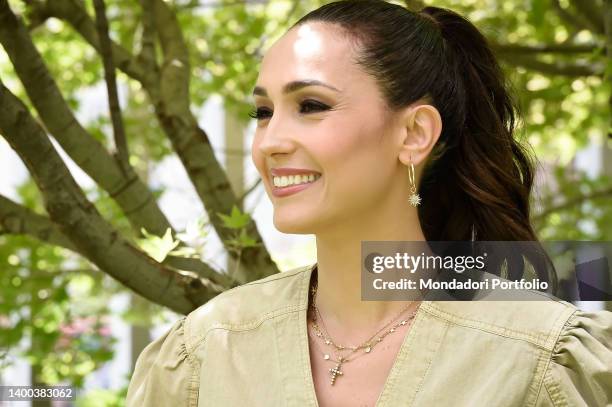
(353, 98)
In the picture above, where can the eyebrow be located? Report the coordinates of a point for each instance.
(294, 86)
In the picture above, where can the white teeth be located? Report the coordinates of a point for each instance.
(294, 179)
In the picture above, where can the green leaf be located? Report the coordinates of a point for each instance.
(236, 220)
(158, 247)
(244, 240)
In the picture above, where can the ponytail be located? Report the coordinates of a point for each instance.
(481, 163)
(486, 167)
(478, 178)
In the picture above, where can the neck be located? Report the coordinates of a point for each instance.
(338, 279)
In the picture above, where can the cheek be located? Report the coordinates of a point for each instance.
(357, 153)
(356, 180)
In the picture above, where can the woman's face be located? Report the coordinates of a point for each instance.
(339, 128)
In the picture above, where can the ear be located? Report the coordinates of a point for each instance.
(422, 126)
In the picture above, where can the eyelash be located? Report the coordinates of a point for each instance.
(259, 113)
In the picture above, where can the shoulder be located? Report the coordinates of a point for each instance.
(568, 350)
(580, 368)
(250, 304)
(535, 319)
(168, 369)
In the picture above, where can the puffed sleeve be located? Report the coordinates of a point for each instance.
(166, 374)
(580, 370)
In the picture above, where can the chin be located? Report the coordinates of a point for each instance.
(292, 225)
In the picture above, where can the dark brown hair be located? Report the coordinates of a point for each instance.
(478, 177)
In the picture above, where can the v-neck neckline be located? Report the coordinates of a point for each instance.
(396, 368)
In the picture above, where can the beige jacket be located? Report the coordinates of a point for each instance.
(249, 347)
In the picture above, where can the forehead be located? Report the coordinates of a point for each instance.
(313, 50)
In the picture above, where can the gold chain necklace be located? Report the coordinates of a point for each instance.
(368, 345)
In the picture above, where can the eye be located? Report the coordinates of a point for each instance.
(306, 106)
(260, 113)
(310, 106)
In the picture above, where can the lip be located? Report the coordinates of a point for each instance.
(285, 191)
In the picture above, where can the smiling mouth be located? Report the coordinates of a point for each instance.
(281, 182)
(281, 191)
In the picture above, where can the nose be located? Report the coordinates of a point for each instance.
(275, 138)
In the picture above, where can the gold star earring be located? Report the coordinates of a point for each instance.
(414, 199)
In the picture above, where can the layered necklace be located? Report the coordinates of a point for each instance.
(367, 346)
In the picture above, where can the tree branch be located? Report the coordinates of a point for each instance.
(75, 14)
(37, 18)
(80, 221)
(169, 94)
(132, 195)
(554, 68)
(19, 220)
(570, 203)
(592, 12)
(576, 21)
(248, 191)
(123, 155)
(193, 146)
(175, 72)
(170, 97)
(544, 48)
(147, 50)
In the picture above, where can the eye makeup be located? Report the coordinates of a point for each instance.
(307, 106)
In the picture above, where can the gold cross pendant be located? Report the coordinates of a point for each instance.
(335, 372)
